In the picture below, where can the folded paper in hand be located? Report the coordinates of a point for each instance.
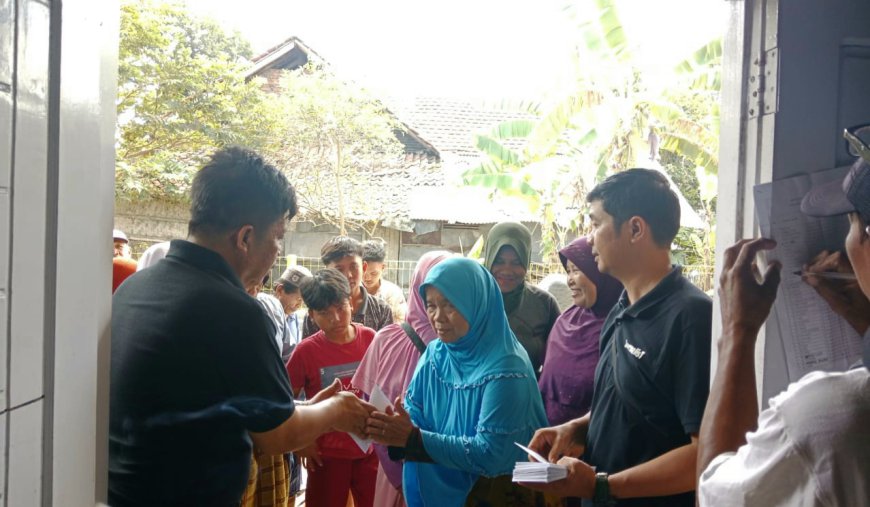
(380, 401)
(537, 471)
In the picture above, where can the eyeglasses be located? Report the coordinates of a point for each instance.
(857, 140)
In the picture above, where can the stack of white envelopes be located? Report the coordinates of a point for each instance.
(537, 471)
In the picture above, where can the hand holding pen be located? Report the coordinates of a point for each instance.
(831, 275)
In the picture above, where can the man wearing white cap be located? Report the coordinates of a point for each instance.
(812, 445)
(121, 244)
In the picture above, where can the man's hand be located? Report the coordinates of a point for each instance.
(580, 481)
(745, 294)
(843, 296)
(391, 428)
(326, 393)
(352, 413)
(310, 457)
(558, 441)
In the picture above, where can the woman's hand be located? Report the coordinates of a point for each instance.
(310, 457)
(391, 428)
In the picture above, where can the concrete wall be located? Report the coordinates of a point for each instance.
(150, 222)
(58, 65)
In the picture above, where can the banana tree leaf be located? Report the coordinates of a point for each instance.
(611, 28)
(548, 132)
(709, 54)
(513, 129)
(507, 183)
(499, 154)
(485, 168)
(691, 151)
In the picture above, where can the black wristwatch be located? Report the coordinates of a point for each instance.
(601, 497)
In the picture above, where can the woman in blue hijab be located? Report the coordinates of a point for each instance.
(473, 394)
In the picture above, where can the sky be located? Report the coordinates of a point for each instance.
(488, 49)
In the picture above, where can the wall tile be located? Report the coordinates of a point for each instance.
(6, 30)
(4, 419)
(25, 455)
(4, 296)
(28, 204)
(5, 135)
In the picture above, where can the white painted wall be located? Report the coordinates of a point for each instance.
(58, 65)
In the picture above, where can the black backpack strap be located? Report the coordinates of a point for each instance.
(415, 338)
(614, 358)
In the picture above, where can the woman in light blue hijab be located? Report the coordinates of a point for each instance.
(473, 393)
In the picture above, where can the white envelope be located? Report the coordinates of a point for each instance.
(380, 401)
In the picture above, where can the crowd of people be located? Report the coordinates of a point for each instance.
(222, 394)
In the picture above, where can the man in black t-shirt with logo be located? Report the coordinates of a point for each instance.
(639, 441)
(197, 377)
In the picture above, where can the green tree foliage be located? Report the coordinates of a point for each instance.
(615, 119)
(332, 140)
(181, 93)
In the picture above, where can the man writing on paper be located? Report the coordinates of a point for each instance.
(812, 445)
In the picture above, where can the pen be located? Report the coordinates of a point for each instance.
(828, 274)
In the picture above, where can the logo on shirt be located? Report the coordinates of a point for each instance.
(636, 352)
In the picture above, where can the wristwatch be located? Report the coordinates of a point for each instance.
(601, 497)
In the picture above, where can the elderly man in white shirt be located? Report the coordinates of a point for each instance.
(812, 445)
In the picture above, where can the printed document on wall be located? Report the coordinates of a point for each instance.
(813, 337)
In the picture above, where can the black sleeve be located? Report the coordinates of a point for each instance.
(252, 372)
(690, 367)
(413, 450)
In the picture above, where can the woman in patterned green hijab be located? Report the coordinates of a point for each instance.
(531, 311)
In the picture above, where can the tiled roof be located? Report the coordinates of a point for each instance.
(421, 191)
(383, 196)
(416, 189)
(290, 54)
(450, 124)
(465, 205)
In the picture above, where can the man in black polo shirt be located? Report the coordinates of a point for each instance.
(652, 379)
(196, 374)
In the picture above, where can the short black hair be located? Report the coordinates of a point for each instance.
(374, 251)
(338, 247)
(236, 187)
(326, 288)
(643, 193)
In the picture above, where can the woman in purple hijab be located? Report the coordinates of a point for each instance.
(572, 347)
